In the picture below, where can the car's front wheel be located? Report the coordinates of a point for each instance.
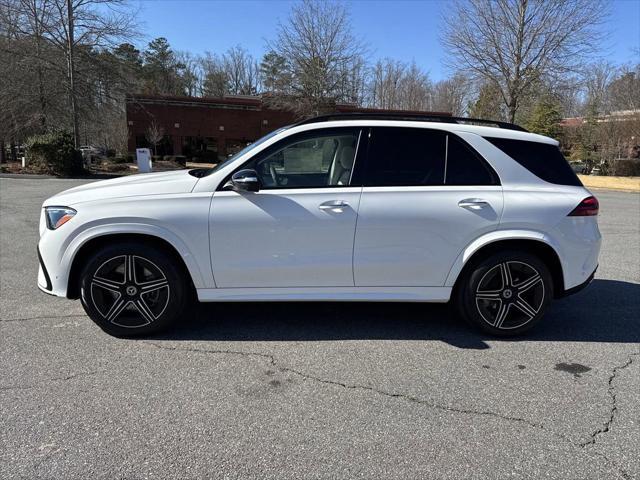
(129, 289)
(506, 293)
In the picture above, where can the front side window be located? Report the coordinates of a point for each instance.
(246, 149)
(308, 160)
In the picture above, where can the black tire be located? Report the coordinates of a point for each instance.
(505, 309)
(148, 300)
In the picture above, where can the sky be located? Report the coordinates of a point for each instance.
(402, 29)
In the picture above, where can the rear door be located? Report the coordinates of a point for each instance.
(426, 195)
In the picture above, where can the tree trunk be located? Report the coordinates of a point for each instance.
(2, 152)
(14, 154)
(71, 68)
(41, 93)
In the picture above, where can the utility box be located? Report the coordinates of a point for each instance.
(143, 158)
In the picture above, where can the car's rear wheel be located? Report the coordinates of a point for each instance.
(128, 289)
(506, 293)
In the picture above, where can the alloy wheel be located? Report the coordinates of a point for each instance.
(510, 295)
(130, 291)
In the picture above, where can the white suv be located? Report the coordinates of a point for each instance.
(339, 208)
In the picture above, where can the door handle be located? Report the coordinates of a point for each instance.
(473, 203)
(337, 205)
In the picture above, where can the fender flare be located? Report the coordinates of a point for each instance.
(157, 231)
(496, 236)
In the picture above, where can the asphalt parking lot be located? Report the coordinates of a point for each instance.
(319, 390)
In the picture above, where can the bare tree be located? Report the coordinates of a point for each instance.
(513, 43)
(400, 86)
(242, 71)
(624, 90)
(452, 95)
(596, 83)
(322, 53)
(154, 134)
(189, 65)
(213, 77)
(60, 42)
(385, 80)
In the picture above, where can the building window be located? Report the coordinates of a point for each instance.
(200, 149)
(234, 146)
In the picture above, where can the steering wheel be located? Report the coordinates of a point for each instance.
(274, 174)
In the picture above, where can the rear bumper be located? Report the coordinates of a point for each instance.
(579, 287)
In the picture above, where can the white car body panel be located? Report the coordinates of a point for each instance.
(282, 238)
(391, 243)
(160, 183)
(337, 294)
(179, 219)
(410, 237)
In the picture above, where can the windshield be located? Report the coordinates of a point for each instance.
(246, 149)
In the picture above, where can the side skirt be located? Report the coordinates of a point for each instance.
(330, 294)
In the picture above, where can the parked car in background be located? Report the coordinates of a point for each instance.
(579, 167)
(358, 207)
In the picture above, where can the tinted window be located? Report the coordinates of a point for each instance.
(465, 166)
(312, 160)
(405, 157)
(249, 147)
(542, 159)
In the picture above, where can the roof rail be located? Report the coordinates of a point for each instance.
(414, 117)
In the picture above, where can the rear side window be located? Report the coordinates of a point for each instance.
(465, 167)
(405, 157)
(545, 161)
(418, 157)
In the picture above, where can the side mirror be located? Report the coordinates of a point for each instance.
(245, 180)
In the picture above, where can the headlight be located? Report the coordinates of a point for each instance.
(58, 216)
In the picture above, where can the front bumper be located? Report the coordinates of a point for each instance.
(44, 280)
(52, 270)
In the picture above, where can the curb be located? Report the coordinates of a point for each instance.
(34, 176)
(24, 175)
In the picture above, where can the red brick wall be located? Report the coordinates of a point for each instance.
(225, 120)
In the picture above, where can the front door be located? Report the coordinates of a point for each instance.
(298, 229)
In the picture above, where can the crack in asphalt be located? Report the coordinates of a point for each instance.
(614, 403)
(54, 379)
(411, 398)
(272, 361)
(606, 426)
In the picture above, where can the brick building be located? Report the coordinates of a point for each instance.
(207, 128)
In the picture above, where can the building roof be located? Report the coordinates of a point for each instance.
(617, 115)
(250, 102)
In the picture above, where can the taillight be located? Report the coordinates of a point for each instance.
(586, 208)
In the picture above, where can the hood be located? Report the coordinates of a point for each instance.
(130, 186)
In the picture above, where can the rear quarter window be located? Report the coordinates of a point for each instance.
(544, 160)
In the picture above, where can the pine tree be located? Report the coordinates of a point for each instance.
(488, 104)
(545, 119)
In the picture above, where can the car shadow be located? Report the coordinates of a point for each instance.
(607, 311)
